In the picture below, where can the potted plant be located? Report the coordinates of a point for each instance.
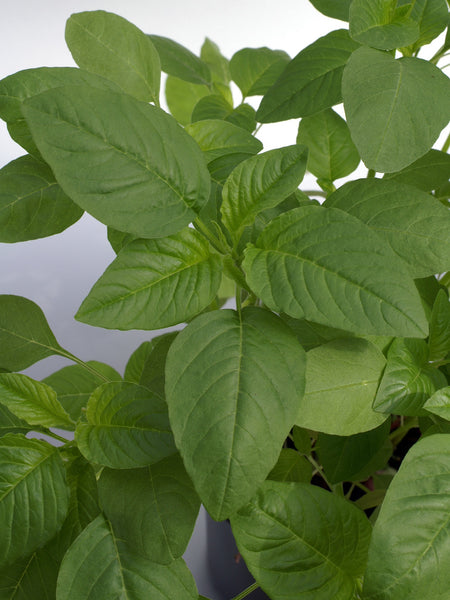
(314, 413)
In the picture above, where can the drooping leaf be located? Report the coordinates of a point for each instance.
(127, 163)
(255, 70)
(25, 336)
(182, 96)
(300, 541)
(123, 575)
(427, 173)
(342, 377)
(153, 284)
(127, 426)
(439, 339)
(33, 401)
(153, 509)
(408, 380)
(336, 9)
(432, 18)
(414, 517)
(178, 61)
(327, 266)
(31, 469)
(218, 65)
(9, 423)
(106, 44)
(413, 223)
(311, 81)
(213, 106)
(259, 183)
(291, 466)
(395, 109)
(439, 403)
(230, 422)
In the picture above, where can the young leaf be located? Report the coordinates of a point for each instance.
(259, 183)
(153, 509)
(111, 46)
(291, 466)
(255, 70)
(327, 266)
(218, 65)
(413, 223)
(213, 106)
(182, 96)
(427, 173)
(123, 575)
(243, 116)
(336, 9)
(439, 403)
(331, 152)
(230, 422)
(31, 469)
(311, 81)
(432, 18)
(180, 62)
(301, 541)
(342, 377)
(439, 339)
(127, 426)
(395, 109)
(127, 163)
(415, 516)
(32, 204)
(33, 401)
(153, 284)
(408, 380)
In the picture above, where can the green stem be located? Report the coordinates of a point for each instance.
(439, 363)
(320, 472)
(439, 54)
(445, 280)
(446, 145)
(398, 434)
(212, 239)
(54, 435)
(315, 193)
(258, 127)
(350, 491)
(246, 592)
(86, 366)
(238, 299)
(370, 173)
(362, 487)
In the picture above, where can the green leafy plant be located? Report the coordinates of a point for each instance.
(314, 414)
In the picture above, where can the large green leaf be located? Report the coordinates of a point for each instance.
(413, 223)
(427, 173)
(395, 109)
(33, 401)
(327, 266)
(259, 183)
(431, 16)
(180, 62)
(336, 9)
(332, 154)
(233, 386)
(408, 380)
(255, 70)
(380, 24)
(300, 541)
(127, 163)
(213, 106)
(291, 466)
(127, 426)
(311, 82)
(33, 495)
(25, 336)
(439, 403)
(109, 45)
(439, 339)
(154, 509)
(182, 96)
(153, 284)
(32, 204)
(99, 566)
(409, 551)
(342, 377)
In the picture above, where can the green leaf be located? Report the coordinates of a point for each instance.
(119, 239)
(122, 575)
(408, 380)
(127, 426)
(213, 106)
(432, 18)
(127, 163)
(9, 423)
(342, 377)
(153, 284)
(259, 183)
(25, 337)
(332, 154)
(291, 466)
(310, 335)
(31, 469)
(153, 509)
(328, 267)
(218, 65)
(180, 62)
(395, 109)
(427, 173)
(182, 96)
(109, 45)
(311, 82)
(33, 401)
(377, 23)
(415, 516)
(300, 541)
(243, 116)
(32, 204)
(439, 339)
(439, 403)
(255, 70)
(354, 457)
(302, 439)
(413, 223)
(74, 384)
(230, 422)
(336, 9)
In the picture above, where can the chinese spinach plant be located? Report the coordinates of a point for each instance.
(314, 414)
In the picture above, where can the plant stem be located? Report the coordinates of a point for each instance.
(212, 239)
(238, 299)
(246, 592)
(362, 487)
(53, 435)
(398, 434)
(86, 366)
(446, 145)
(320, 472)
(315, 193)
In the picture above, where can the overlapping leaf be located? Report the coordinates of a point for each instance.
(429, 172)
(255, 70)
(432, 18)
(439, 403)
(178, 61)
(439, 339)
(291, 466)
(182, 96)
(336, 9)
(9, 423)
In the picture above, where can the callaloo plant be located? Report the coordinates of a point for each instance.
(315, 413)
